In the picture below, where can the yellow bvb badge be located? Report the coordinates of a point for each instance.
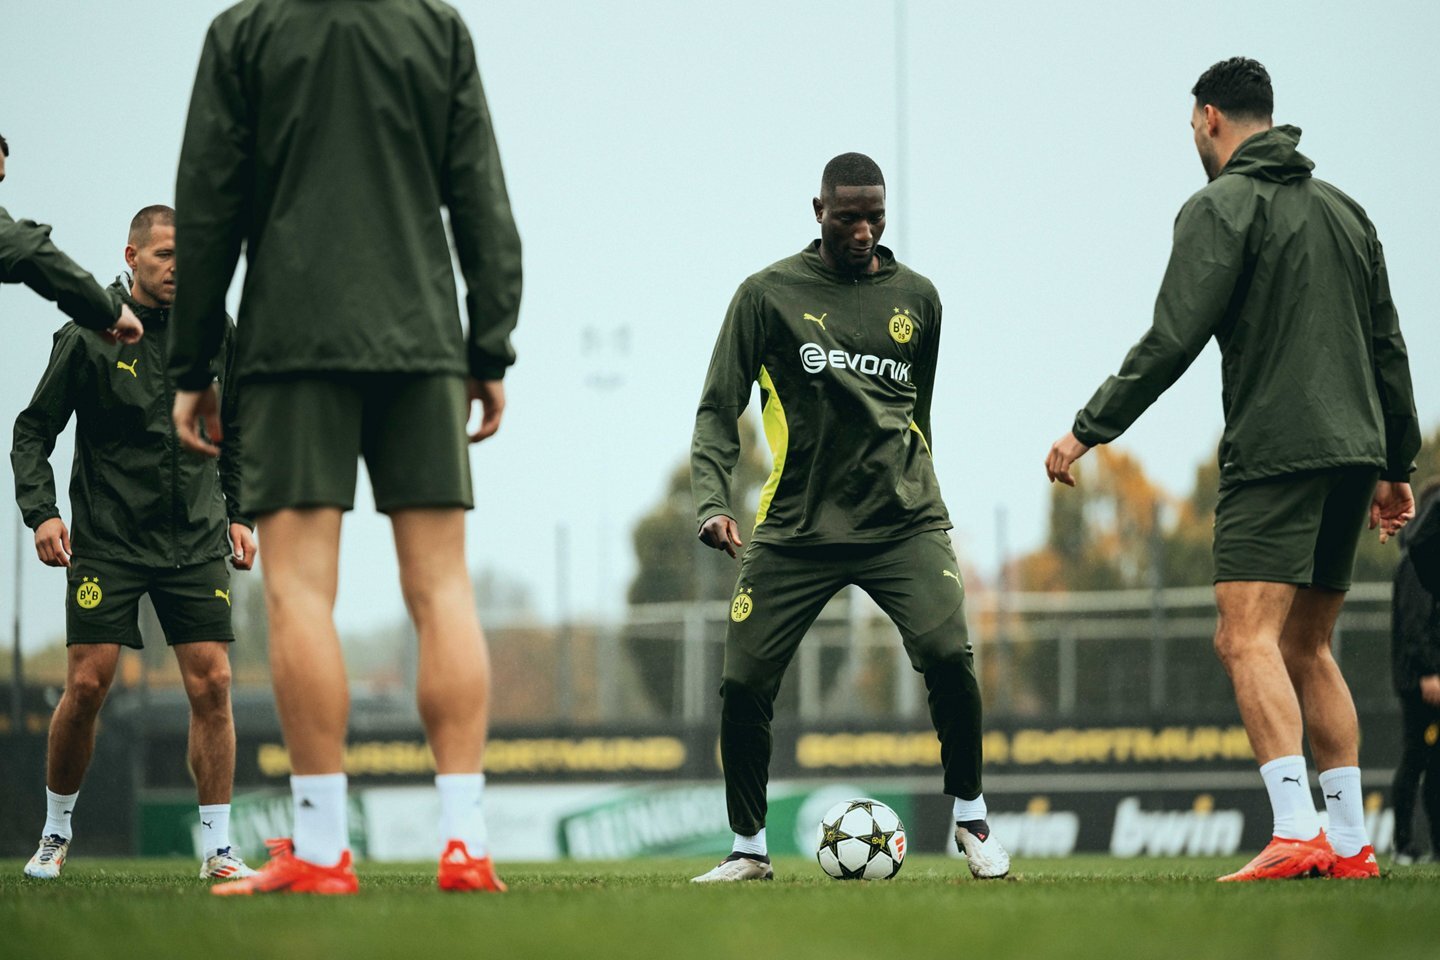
(902, 326)
(743, 606)
(1432, 734)
(88, 594)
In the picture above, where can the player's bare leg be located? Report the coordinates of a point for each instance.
(89, 671)
(453, 686)
(1247, 641)
(1331, 725)
(302, 556)
(205, 672)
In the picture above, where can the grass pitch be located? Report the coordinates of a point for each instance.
(1076, 908)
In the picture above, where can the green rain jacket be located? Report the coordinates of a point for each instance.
(136, 495)
(846, 367)
(28, 256)
(1287, 274)
(324, 137)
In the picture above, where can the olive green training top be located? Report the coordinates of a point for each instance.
(136, 495)
(1287, 274)
(846, 367)
(28, 256)
(325, 136)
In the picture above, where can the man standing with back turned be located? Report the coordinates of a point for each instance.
(324, 137)
(843, 341)
(1287, 274)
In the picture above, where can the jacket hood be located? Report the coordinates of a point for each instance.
(1271, 155)
(121, 288)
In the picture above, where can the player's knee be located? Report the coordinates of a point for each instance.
(86, 690)
(946, 644)
(746, 703)
(209, 688)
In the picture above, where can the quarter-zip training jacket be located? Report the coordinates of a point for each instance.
(846, 367)
(136, 495)
(1288, 275)
(325, 136)
(28, 256)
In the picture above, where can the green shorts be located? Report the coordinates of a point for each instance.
(303, 437)
(102, 602)
(1301, 528)
(781, 591)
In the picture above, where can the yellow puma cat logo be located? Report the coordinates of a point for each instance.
(820, 319)
(223, 595)
(951, 574)
(122, 365)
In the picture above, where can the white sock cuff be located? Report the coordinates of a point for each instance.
(1283, 763)
(60, 797)
(754, 844)
(214, 808)
(443, 780)
(319, 782)
(1338, 773)
(967, 810)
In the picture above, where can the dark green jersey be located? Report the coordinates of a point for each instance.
(325, 136)
(28, 256)
(1287, 274)
(136, 495)
(846, 367)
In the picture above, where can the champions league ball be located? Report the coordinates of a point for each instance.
(860, 840)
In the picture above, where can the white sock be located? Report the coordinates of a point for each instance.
(461, 815)
(755, 844)
(965, 810)
(214, 828)
(1290, 798)
(322, 829)
(1345, 803)
(57, 813)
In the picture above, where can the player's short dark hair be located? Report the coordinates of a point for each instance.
(4, 147)
(850, 170)
(1238, 87)
(144, 221)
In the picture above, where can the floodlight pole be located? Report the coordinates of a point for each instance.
(17, 667)
(901, 133)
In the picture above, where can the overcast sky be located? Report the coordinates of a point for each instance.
(657, 153)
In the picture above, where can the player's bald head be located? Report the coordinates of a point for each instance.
(157, 214)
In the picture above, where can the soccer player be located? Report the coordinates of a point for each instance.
(149, 518)
(27, 256)
(843, 340)
(1287, 274)
(325, 137)
(1415, 670)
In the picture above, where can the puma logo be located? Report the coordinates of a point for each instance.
(1294, 780)
(1334, 796)
(951, 574)
(820, 319)
(207, 824)
(223, 595)
(122, 365)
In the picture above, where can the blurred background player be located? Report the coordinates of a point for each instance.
(27, 256)
(148, 519)
(843, 341)
(1415, 668)
(325, 137)
(1287, 274)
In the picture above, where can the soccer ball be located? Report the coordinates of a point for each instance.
(860, 840)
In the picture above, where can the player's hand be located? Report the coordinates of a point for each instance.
(243, 548)
(722, 533)
(1063, 454)
(1392, 508)
(491, 396)
(192, 407)
(1430, 689)
(52, 543)
(127, 329)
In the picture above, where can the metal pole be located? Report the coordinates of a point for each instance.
(564, 636)
(902, 134)
(1158, 667)
(1002, 612)
(17, 667)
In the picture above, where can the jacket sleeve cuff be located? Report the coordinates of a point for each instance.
(1397, 476)
(33, 518)
(246, 522)
(484, 366)
(1085, 436)
(194, 380)
(709, 515)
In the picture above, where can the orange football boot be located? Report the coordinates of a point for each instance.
(461, 872)
(287, 873)
(1361, 866)
(1284, 859)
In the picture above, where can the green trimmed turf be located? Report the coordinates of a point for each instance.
(1080, 907)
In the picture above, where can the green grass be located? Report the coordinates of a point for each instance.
(1075, 908)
